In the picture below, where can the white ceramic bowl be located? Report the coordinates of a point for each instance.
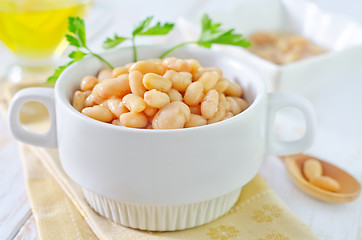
(162, 179)
(341, 36)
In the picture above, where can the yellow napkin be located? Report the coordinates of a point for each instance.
(61, 212)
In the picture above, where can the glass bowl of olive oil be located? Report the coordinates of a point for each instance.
(34, 31)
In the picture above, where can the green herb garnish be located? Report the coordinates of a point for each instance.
(53, 78)
(211, 33)
(142, 29)
(111, 43)
(76, 38)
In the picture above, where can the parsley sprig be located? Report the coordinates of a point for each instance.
(76, 38)
(211, 33)
(142, 29)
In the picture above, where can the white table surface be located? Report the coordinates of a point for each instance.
(339, 137)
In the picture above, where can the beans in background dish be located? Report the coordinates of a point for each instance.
(159, 94)
(283, 48)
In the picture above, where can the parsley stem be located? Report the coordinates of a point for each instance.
(174, 48)
(100, 58)
(134, 50)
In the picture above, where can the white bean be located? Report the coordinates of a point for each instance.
(173, 115)
(209, 104)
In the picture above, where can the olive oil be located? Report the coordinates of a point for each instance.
(36, 28)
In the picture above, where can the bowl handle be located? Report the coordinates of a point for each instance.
(44, 96)
(277, 101)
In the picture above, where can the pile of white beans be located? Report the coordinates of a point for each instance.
(283, 48)
(159, 94)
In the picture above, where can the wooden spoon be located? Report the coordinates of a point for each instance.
(349, 190)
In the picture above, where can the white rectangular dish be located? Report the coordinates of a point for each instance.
(339, 35)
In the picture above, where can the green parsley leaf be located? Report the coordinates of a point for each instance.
(77, 55)
(141, 26)
(111, 43)
(158, 29)
(231, 39)
(77, 27)
(73, 41)
(144, 29)
(76, 38)
(212, 33)
(74, 24)
(52, 79)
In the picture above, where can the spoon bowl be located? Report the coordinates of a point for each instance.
(349, 190)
